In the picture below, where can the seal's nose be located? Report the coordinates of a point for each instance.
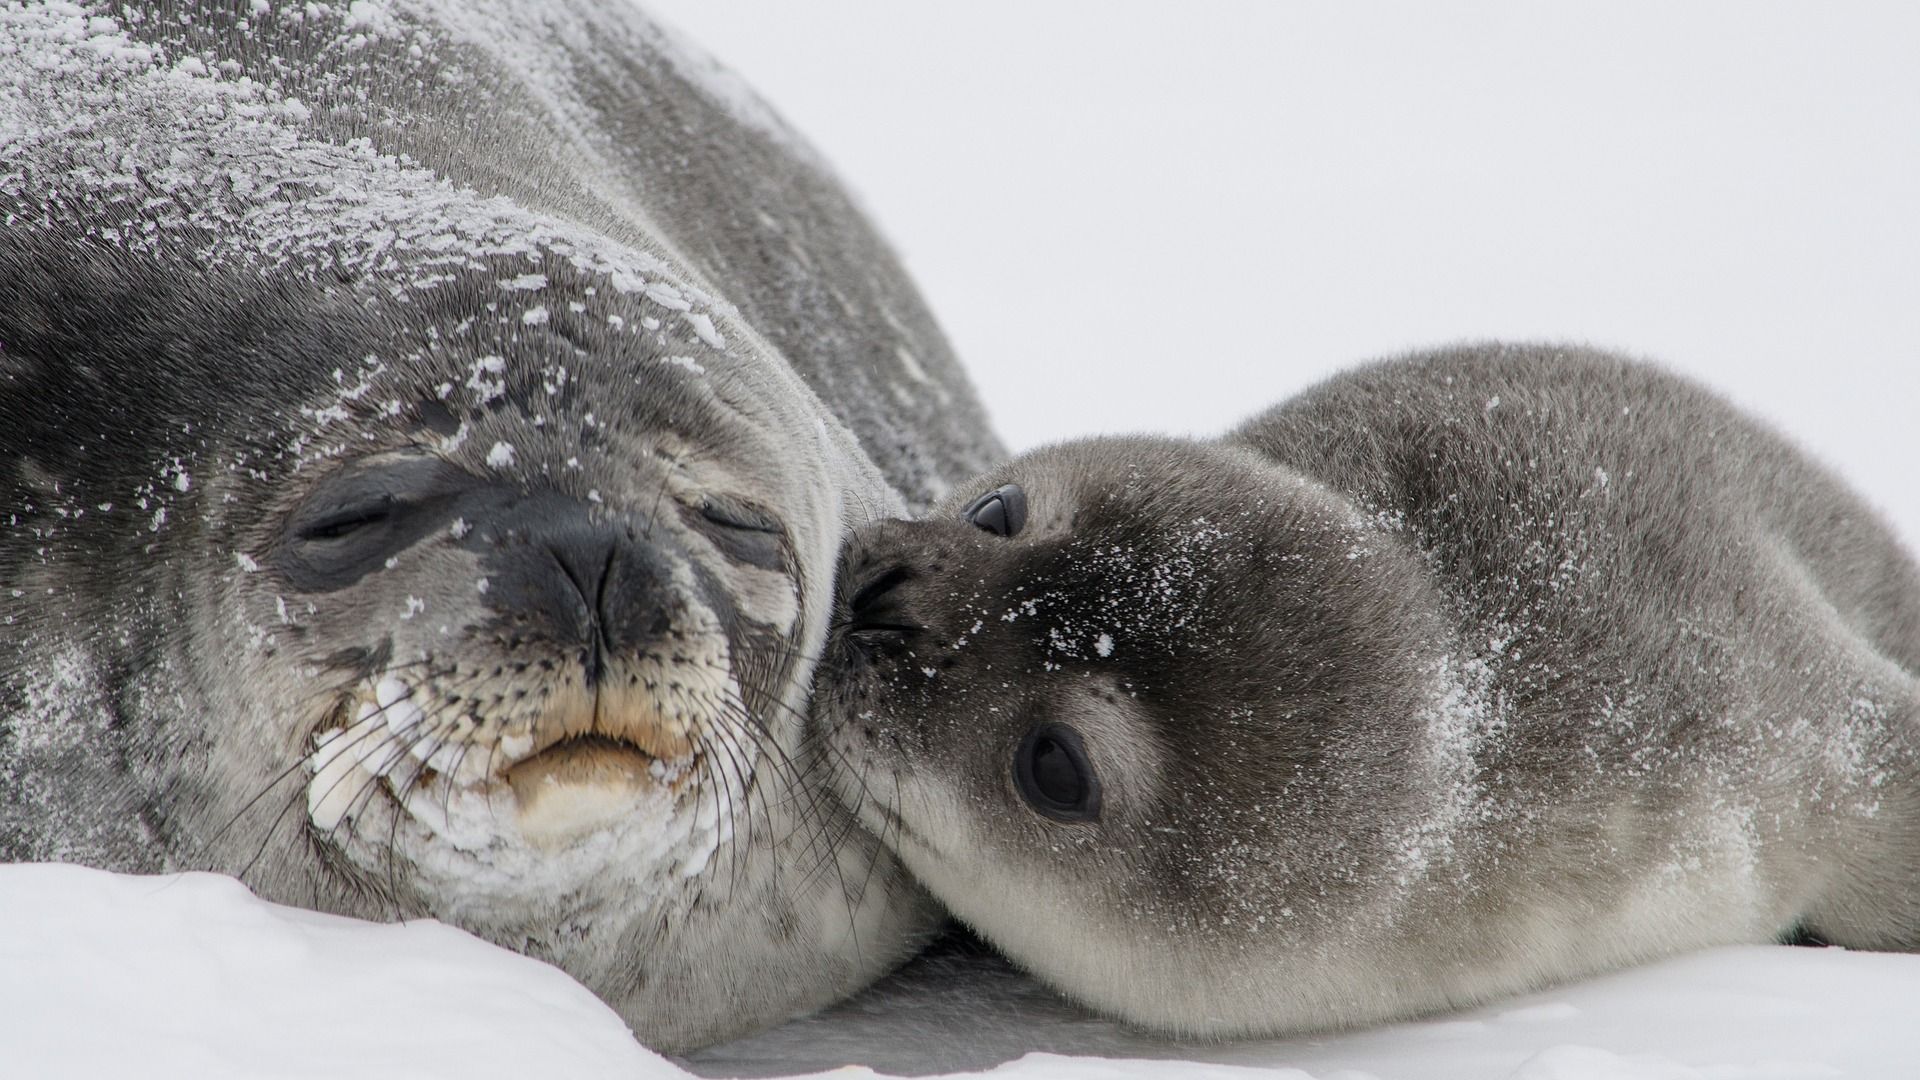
(581, 581)
(586, 559)
(890, 577)
(876, 604)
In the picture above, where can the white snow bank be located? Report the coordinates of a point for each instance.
(1750, 1013)
(190, 975)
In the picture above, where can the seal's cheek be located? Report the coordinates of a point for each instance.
(767, 597)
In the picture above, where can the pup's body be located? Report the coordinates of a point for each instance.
(1455, 676)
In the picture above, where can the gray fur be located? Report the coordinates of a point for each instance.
(1455, 676)
(562, 279)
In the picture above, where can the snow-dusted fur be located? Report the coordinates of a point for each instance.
(1455, 676)
(426, 432)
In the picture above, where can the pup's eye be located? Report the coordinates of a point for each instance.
(1002, 511)
(1053, 773)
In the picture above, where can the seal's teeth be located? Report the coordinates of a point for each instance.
(424, 748)
(438, 753)
(334, 785)
(386, 752)
(390, 690)
(327, 746)
(517, 746)
(402, 715)
(401, 771)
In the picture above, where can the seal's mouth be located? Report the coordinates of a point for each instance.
(577, 763)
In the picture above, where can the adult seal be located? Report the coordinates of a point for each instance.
(1456, 676)
(426, 433)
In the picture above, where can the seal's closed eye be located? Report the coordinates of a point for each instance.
(1055, 776)
(743, 532)
(349, 520)
(364, 514)
(1002, 511)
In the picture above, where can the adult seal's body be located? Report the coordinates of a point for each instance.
(426, 431)
(1453, 677)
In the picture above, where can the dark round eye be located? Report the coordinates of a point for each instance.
(1002, 511)
(1055, 776)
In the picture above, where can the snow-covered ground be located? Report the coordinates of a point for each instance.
(191, 977)
(1156, 216)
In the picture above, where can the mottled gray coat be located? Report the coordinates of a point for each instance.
(508, 360)
(1452, 677)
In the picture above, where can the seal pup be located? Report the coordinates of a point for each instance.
(426, 433)
(1455, 676)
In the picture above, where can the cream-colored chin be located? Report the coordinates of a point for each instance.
(577, 788)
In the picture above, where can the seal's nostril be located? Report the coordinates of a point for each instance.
(876, 610)
(873, 591)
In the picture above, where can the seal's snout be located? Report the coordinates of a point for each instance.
(592, 590)
(599, 672)
(894, 578)
(590, 587)
(876, 612)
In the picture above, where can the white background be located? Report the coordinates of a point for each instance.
(1134, 216)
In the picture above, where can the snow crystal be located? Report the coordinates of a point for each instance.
(368, 16)
(501, 456)
(667, 296)
(703, 326)
(534, 316)
(1102, 644)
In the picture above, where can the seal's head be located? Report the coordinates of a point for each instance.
(541, 601)
(394, 514)
(501, 620)
(1131, 706)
